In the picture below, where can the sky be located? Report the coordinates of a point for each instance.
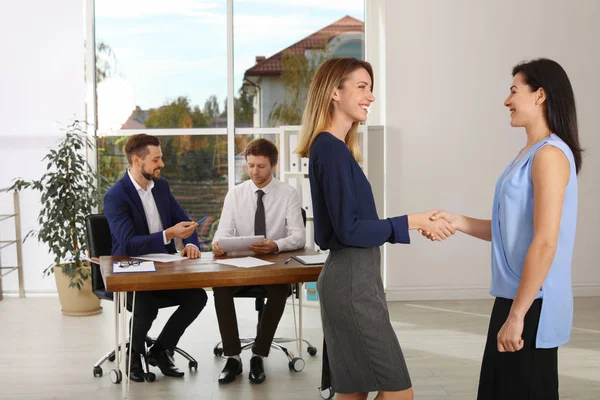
(165, 49)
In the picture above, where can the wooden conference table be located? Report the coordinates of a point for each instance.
(199, 273)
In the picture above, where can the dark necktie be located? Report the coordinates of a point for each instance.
(259, 218)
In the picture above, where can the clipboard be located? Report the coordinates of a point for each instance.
(318, 259)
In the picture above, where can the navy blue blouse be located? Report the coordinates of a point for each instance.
(344, 208)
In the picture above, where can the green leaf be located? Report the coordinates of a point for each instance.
(69, 191)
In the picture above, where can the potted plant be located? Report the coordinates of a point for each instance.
(70, 190)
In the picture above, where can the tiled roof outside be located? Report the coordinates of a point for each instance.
(318, 40)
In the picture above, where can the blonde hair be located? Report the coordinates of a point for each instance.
(318, 113)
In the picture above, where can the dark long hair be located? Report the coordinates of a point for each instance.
(560, 100)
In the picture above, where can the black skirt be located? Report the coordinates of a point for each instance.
(528, 374)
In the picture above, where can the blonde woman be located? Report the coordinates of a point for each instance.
(362, 353)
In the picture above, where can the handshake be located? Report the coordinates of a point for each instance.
(436, 225)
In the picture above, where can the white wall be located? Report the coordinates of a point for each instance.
(43, 90)
(448, 71)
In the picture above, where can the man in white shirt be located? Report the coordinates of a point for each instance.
(260, 206)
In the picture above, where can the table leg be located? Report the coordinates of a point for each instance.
(130, 330)
(301, 295)
(123, 301)
(117, 307)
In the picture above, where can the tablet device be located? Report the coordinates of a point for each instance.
(239, 243)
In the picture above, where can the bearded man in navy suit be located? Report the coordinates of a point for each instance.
(144, 218)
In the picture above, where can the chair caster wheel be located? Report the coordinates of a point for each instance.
(326, 394)
(218, 352)
(297, 364)
(312, 351)
(97, 372)
(115, 376)
(193, 365)
(111, 358)
(150, 377)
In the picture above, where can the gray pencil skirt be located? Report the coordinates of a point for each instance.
(362, 350)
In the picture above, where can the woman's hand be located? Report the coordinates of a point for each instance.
(437, 229)
(456, 221)
(510, 335)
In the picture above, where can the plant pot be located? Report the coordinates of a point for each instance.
(75, 302)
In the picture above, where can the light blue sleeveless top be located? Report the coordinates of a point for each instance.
(512, 234)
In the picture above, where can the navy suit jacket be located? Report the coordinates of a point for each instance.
(127, 220)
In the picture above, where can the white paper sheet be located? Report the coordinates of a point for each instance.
(144, 266)
(161, 257)
(245, 262)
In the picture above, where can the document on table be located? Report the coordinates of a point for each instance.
(161, 257)
(245, 262)
(133, 267)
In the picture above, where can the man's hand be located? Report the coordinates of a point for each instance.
(436, 229)
(216, 249)
(265, 247)
(190, 252)
(182, 230)
(456, 221)
(509, 337)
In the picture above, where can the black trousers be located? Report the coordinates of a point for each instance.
(527, 374)
(190, 302)
(225, 308)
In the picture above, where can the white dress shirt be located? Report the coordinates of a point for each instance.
(150, 209)
(283, 217)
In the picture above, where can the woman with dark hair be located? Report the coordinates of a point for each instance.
(532, 231)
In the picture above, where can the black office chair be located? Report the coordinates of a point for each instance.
(100, 244)
(259, 293)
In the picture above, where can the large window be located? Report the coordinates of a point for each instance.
(278, 45)
(163, 68)
(161, 64)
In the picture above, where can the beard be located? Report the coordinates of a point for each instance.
(150, 176)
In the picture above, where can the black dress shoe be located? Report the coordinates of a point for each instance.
(257, 370)
(232, 369)
(163, 359)
(137, 373)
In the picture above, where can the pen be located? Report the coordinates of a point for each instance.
(201, 220)
(287, 261)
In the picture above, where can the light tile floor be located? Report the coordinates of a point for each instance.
(45, 355)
